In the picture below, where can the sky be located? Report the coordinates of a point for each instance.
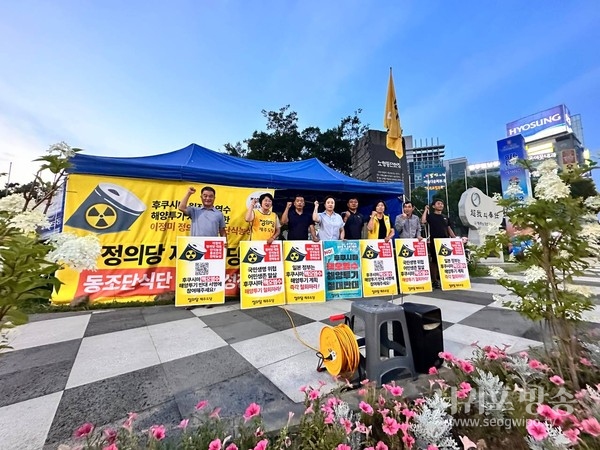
(135, 78)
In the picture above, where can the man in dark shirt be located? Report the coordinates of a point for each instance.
(353, 220)
(299, 221)
(439, 227)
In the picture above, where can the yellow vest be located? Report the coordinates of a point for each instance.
(375, 233)
(263, 226)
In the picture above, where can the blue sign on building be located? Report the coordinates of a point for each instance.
(550, 118)
(512, 174)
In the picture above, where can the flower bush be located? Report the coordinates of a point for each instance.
(560, 238)
(28, 263)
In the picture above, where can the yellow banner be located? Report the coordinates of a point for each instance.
(452, 264)
(138, 223)
(413, 266)
(200, 271)
(304, 271)
(261, 274)
(378, 268)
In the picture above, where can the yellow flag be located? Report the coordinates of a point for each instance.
(391, 121)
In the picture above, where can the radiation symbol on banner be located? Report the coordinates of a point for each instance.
(295, 255)
(405, 252)
(101, 216)
(370, 253)
(253, 257)
(445, 251)
(192, 253)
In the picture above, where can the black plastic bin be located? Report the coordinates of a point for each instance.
(426, 334)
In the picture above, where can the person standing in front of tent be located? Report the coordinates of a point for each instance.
(407, 224)
(379, 226)
(353, 220)
(439, 228)
(264, 223)
(299, 221)
(331, 224)
(206, 220)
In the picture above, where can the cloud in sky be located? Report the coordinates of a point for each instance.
(133, 78)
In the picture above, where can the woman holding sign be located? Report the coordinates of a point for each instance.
(379, 224)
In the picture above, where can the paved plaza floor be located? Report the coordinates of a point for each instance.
(70, 368)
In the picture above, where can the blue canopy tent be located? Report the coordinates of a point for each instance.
(198, 164)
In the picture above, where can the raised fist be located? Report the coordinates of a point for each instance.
(191, 190)
(289, 205)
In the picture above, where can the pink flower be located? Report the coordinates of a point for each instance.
(408, 440)
(467, 443)
(585, 362)
(111, 447)
(215, 445)
(390, 426)
(201, 404)
(303, 389)
(252, 410)
(537, 430)
(329, 419)
(347, 425)
(111, 435)
(313, 394)
(446, 356)
(381, 400)
(333, 401)
(128, 424)
(465, 386)
(492, 354)
(84, 430)
(343, 447)
(433, 370)
(215, 413)
(432, 447)
(404, 427)
(366, 408)
(466, 366)
(462, 394)
(362, 392)
(419, 401)
(262, 445)
(548, 413)
(381, 446)
(369, 448)
(232, 446)
(158, 432)
(309, 410)
(396, 391)
(557, 380)
(591, 426)
(572, 435)
(408, 413)
(183, 424)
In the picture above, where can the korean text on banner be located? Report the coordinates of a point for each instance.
(304, 272)
(452, 264)
(138, 222)
(378, 268)
(413, 266)
(200, 271)
(342, 269)
(261, 274)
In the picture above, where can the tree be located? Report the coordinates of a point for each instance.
(284, 141)
(419, 197)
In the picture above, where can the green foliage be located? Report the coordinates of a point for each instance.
(284, 141)
(561, 236)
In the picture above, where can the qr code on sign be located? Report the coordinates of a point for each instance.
(378, 266)
(201, 268)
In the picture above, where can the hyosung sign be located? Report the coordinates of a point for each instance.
(543, 124)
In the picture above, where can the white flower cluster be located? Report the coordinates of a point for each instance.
(61, 149)
(555, 440)
(432, 426)
(578, 289)
(12, 204)
(547, 166)
(77, 252)
(29, 221)
(551, 187)
(514, 190)
(592, 202)
(497, 272)
(534, 274)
